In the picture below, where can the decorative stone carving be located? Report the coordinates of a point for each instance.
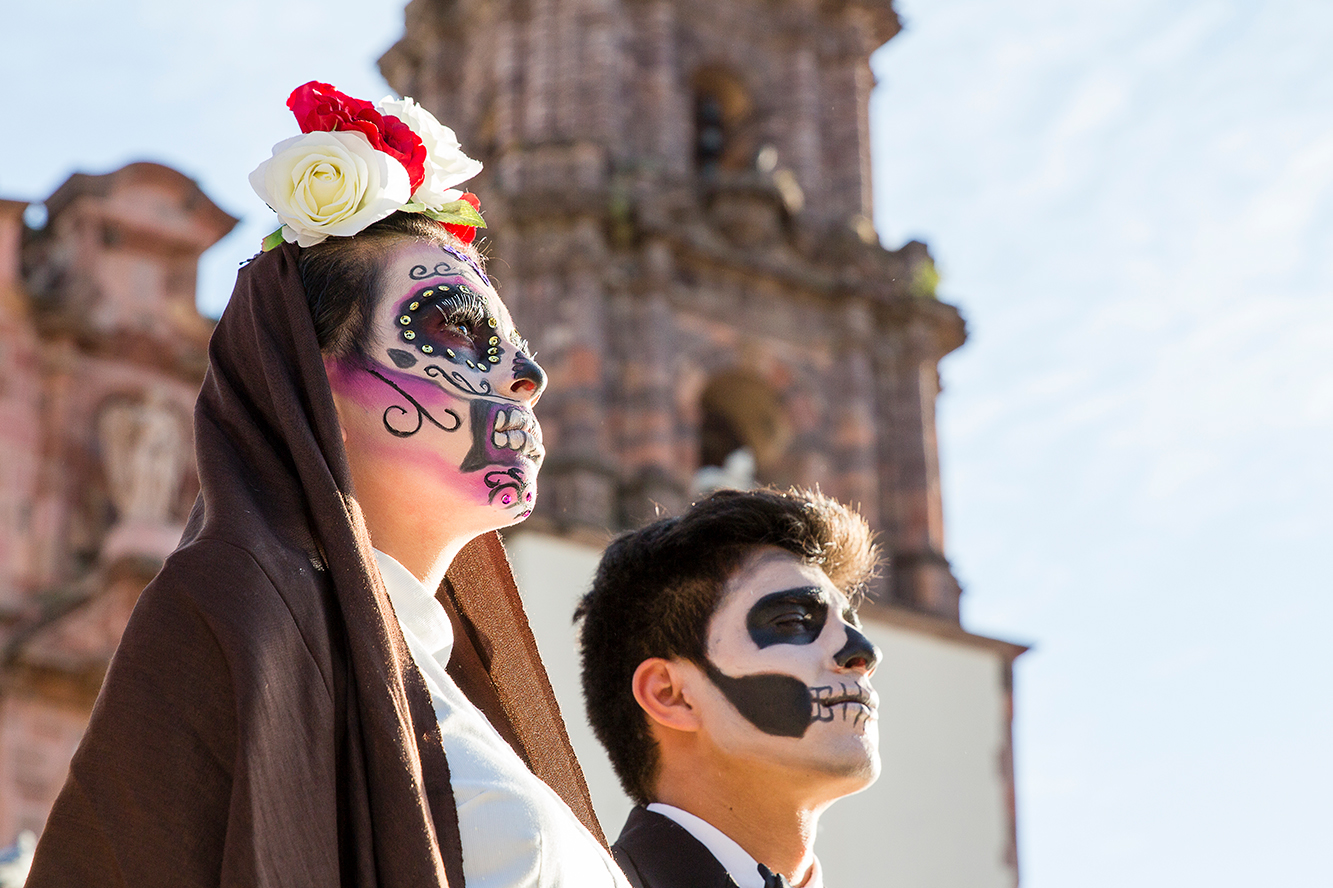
(143, 449)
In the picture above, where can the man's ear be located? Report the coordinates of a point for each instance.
(658, 688)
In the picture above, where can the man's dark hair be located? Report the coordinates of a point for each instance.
(341, 277)
(657, 588)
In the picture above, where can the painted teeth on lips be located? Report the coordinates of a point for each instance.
(517, 439)
(856, 695)
(517, 429)
(505, 420)
(517, 420)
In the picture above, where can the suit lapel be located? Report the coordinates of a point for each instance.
(657, 852)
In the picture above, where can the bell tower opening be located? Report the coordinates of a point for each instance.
(743, 433)
(722, 110)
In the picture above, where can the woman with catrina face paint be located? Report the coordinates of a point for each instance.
(292, 703)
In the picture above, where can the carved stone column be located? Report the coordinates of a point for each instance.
(911, 511)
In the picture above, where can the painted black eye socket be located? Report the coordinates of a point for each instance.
(451, 322)
(461, 329)
(793, 622)
(792, 616)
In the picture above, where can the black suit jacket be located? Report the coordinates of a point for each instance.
(656, 852)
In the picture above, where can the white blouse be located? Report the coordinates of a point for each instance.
(516, 832)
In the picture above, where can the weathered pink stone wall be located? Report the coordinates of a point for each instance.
(37, 738)
(100, 345)
(19, 438)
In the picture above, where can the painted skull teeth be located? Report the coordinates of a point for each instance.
(517, 430)
(508, 420)
(861, 698)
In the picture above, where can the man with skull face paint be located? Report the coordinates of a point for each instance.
(725, 671)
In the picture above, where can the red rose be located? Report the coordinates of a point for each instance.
(400, 141)
(465, 233)
(321, 108)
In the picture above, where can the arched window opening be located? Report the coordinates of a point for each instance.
(722, 137)
(743, 433)
(710, 141)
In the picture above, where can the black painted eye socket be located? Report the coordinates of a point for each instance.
(460, 329)
(451, 322)
(794, 622)
(793, 616)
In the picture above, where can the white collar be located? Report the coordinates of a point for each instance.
(418, 611)
(738, 863)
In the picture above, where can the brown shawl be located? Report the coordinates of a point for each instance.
(262, 722)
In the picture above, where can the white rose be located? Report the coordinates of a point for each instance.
(446, 164)
(323, 184)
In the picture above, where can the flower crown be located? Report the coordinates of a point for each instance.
(358, 163)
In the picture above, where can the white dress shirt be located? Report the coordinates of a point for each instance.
(516, 832)
(743, 869)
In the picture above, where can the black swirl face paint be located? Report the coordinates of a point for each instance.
(395, 413)
(509, 487)
(449, 332)
(421, 272)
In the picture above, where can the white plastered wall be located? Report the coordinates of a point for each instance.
(937, 818)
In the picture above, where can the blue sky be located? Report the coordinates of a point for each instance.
(1132, 204)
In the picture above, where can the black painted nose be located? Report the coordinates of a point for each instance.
(858, 653)
(529, 378)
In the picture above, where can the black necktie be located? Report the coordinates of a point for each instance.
(772, 879)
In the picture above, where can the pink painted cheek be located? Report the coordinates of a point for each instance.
(406, 403)
(359, 384)
(430, 449)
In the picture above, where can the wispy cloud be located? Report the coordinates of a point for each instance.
(1133, 204)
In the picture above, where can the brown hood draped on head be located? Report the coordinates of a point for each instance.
(262, 722)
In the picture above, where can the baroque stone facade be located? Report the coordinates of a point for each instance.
(101, 354)
(680, 191)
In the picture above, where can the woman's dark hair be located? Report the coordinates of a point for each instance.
(341, 277)
(657, 588)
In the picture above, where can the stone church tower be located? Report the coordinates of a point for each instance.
(680, 198)
(680, 195)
